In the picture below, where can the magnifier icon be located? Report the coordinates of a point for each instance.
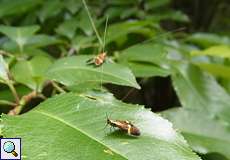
(9, 147)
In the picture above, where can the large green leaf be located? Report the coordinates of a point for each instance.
(42, 40)
(156, 4)
(34, 42)
(169, 15)
(208, 39)
(73, 70)
(203, 133)
(204, 120)
(20, 35)
(146, 69)
(49, 9)
(150, 52)
(68, 27)
(119, 30)
(84, 23)
(144, 59)
(222, 51)
(17, 7)
(216, 69)
(200, 91)
(71, 127)
(6, 94)
(31, 73)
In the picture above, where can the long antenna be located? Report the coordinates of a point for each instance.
(160, 35)
(92, 22)
(105, 31)
(103, 47)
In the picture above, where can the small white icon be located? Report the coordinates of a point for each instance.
(10, 148)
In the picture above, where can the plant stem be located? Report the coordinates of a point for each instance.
(14, 92)
(92, 22)
(5, 102)
(55, 85)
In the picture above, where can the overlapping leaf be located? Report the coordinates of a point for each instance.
(145, 60)
(20, 35)
(204, 120)
(31, 73)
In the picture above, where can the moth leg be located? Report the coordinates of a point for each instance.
(90, 61)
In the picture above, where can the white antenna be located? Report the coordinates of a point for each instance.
(103, 48)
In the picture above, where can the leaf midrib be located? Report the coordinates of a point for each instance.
(75, 128)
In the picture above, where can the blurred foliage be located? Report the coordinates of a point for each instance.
(177, 50)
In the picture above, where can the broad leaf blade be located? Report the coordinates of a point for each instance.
(151, 53)
(145, 60)
(208, 39)
(218, 70)
(71, 127)
(147, 69)
(73, 70)
(8, 8)
(222, 51)
(35, 72)
(200, 91)
(204, 120)
(20, 35)
(119, 30)
(214, 137)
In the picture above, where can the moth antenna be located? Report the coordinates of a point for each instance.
(161, 35)
(105, 32)
(92, 22)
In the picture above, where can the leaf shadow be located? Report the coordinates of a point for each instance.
(120, 135)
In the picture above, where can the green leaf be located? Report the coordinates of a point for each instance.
(84, 23)
(50, 9)
(6, 94)
(145, 59)
(203, 133)
(118, 30)
(218, 70)
(42, 40)
(73, 70)
(169, 15)
(156, 4)
(71, 127)
(20, 35)
(73, 5)
(208, 39)
(147, 69)
(200, 91)
(222, 51)
(151, 53)
(205, 103)
(68, 28)
(3, 70)
(17, 7)
(31, 73)
(81, 42)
